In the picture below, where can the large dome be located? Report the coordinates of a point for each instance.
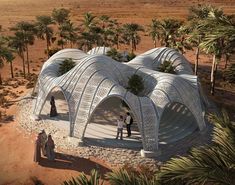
(96, 77)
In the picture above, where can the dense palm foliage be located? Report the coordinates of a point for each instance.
(66, 65)
(26, 31)
(89, 32)
(44, 30)
(214, 42)
(61, 17)
(17, 43)
(82, 179)
(166, 67)
(229, 74)
(125, 177)
(5, 55)
(131, 35)
(153, 31)
(207, 29)
(168, 31)
(135, 84)
(196, 14)
(114, 54)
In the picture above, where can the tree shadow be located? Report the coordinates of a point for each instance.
(65, 161)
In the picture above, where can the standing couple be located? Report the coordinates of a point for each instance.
(44, 144)
(120, 123)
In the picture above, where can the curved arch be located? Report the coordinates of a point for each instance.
(59, 89)
(176, 122)
(81, 85)
(134, 114)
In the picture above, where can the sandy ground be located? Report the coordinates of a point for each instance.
(17, 150)
(17, 166)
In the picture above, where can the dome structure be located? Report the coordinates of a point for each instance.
(166, 98)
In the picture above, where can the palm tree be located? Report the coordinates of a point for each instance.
(5, 55)
(114, 54)
(106, 31)
(153, 31)
(17, 43)
(135, 84)
(215, 48)
(213, 164)
(117, 32)
(130, 34)
(226, 33)
(168, 31)
(229, 73)
(197, 14)
(213, 42)
(27, 30)
(44, 29)
(166, 67)
(61, 16)
(88, 22)
(86, 41)
(89, 32)
(69, 32)
(66, 66)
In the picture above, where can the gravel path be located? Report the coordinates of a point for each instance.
(113, 156)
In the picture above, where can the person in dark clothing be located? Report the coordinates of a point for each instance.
(128, 122)
(37, 149)
(50, 146)
(53, 112)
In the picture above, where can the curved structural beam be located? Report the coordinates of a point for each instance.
(96, 78)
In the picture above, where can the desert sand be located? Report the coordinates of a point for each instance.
(16, 152)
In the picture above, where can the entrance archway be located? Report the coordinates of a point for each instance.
(176, 123)
(102, 128)
(62, 120)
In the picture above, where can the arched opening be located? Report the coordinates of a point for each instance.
(102, 127)
(176, 123)
(62, 120)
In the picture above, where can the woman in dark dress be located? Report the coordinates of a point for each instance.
(53, 112)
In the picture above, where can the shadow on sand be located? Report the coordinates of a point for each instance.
(64, 161)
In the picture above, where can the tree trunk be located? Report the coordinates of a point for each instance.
(155, 43)
(213, 72)
(48, 49)
(132, 46)
(12, 74)
(135, 45)
(117, 42)
(23, 61)
(166, 41)
(27, 57)
(196, 62)
(62, 44)
(226, 61)
(0, 79)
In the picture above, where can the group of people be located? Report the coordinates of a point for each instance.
(44, 144)
(120, 124)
